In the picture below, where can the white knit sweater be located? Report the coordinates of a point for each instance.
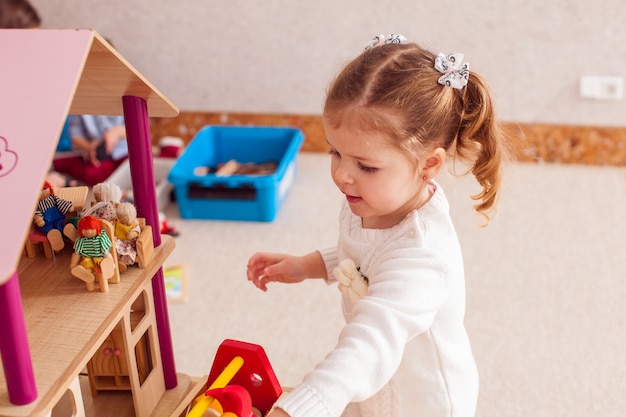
(404, 350)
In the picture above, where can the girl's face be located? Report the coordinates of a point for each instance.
(380, 183)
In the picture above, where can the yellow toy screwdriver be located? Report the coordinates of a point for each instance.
(203, 402)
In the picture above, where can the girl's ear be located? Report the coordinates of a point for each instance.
(434, 163)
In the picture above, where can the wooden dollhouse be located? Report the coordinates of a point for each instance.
(50, 327)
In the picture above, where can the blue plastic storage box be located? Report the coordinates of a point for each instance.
(235, 197)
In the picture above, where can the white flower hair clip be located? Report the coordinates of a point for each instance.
(382, 40)
(352, 283)
(455, 73)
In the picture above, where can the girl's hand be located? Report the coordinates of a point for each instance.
(91, 153)
(112, 136)
(266, 267)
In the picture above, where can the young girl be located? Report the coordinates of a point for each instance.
(392, 117)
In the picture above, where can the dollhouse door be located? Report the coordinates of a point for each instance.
(143, 356)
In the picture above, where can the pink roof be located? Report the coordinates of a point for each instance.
(44, 75)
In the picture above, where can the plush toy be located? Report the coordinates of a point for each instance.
(126, 233)
(352, 283)
(92, 258)
(50, 215)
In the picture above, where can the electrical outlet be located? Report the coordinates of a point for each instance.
(602, 87)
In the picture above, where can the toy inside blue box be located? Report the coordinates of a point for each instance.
(203, 192)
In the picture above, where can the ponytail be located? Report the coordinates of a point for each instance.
(480, 141)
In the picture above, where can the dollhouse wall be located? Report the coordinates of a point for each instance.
(46, 74)
(37, 90)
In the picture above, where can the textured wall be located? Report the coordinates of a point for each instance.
(273, 56)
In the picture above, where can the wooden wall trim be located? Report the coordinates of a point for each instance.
(591, 145)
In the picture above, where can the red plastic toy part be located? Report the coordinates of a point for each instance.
(255, 375)
(233, 399)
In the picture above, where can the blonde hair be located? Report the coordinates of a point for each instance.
(393, 88)
(126, 208)
(108, 191)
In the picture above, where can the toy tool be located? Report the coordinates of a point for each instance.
(204, 402)
(256, 374)
(234, 400)
(245, 365)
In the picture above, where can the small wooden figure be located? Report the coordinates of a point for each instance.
(92, 258)
(50, 215)
(127, 231)
(107, 196)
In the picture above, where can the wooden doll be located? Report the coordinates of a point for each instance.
(92, 258)
(107, 196)
(126, 233)
(50, 215)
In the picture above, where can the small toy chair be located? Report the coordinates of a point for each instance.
(33, 240)
(108, 228)
(145, 244)
(77, 195)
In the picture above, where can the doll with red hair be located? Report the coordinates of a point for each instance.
(50, 215)
(92, 257)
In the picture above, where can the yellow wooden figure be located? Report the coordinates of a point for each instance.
(127, 231)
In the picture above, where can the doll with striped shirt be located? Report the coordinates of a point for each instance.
(92, 253)
(50, 215)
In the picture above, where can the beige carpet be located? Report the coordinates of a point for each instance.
(546, 288)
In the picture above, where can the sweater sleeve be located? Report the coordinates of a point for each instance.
(302, 402)
(405, 292)
(329, 256)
